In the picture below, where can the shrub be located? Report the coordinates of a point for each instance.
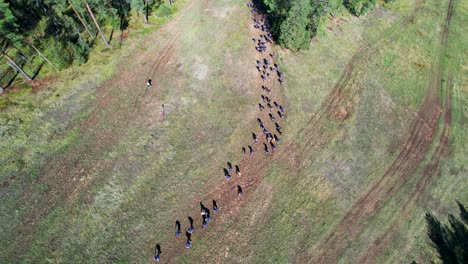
(359, 7)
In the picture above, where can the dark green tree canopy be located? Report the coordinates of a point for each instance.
(294, 23)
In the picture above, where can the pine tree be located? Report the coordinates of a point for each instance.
(81, 19)
(9, 29)
(96, 23)
(294, 31)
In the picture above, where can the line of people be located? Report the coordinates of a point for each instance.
(266, 68)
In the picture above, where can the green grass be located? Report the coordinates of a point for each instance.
(107, 183)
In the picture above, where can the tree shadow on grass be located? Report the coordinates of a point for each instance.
(450, 241)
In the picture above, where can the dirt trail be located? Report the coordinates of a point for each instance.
(253, 168)
(420, 136)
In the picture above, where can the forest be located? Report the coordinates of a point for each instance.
(59, 33)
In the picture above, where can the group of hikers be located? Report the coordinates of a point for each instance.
(266, 68)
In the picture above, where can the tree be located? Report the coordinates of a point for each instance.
(143, 6)
(10, 36)
(450, 241)
(96, 23)
(44, 57)
(8, 27)
(294, 31)
(15, 66)
(359, 7)
(319, 8)
(81, 20)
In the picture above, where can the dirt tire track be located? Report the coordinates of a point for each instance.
(400, 171)
(347, 80)
(431, 169)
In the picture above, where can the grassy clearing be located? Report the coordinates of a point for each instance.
(126, 175)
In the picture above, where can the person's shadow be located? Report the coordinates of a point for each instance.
(158, 249)
(177, 223)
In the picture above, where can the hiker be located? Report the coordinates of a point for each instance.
(263, 98)
(204, 221)
(259, 120)
(191, 228)
(280, 115)
(269, 106)
(281, 108)
(254, 137)
(177, 226)
(229, 166)
(273, 147)
(239, 190)
(276, 104)
(202, 209)
(226, 174)
(271, 117)
(280, 81)
(277, 126)
(267, 150)
(279, 130)
(277, 140)
(157, 252)
(268, 137)
(260, 106)
(188, 244)
(238, 172)
(148, 83)
(243, 151)
(207, 213)
(251, 150)
(267, 99)
(215, 206)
